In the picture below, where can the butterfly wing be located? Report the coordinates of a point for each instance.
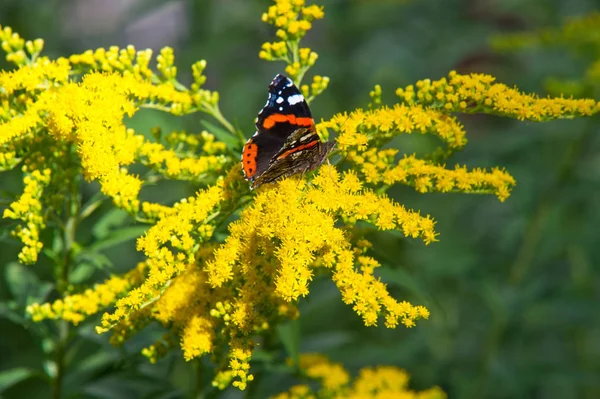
(285, 112)
(297, 158)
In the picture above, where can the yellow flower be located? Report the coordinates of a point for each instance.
(479, 93)
(164, 264)
(28, 208)
(293, 20)
(170, 164)
(377, 382)
(77, 307)
(360, 127)
(332, 375)
(274, 216)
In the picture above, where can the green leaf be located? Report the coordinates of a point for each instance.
(117, 237)
(113, 218)
(24, 284)
(5, 230)
(289, 335)
(82, 273)
(8, 311)
(399, 277)
(57, 246)
(221, 134)
(92, 205)
(98, 260)
(11, 377)
(91, 367)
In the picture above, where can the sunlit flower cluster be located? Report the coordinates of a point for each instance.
(379, 166)
(426, 110)
(19, 51)
(477, 93)
(306, 243)
(28, 208)
(170, 164)
(360, 129)
(168, 94)
(335, 382)
(293, 19)
(40, 104)
(255, 278)
(362, 133)
(76, 308)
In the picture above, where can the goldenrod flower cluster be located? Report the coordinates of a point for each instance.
(28, 208)
(293, 19)
(477, 93)
(78, 307)
(191, 167)
(425, 108)
(18, 51)
(78, 124)
(360, 128)
(213, 296)
(362, 133)
(335, 382)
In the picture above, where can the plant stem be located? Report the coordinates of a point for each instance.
(215, 111)
(63, 337)
(62, 279)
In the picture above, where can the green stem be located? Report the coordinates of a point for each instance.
(215, 111)
(200, 391)
(63, 337)
(62, 280)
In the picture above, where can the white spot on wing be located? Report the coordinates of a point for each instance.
(279, 100)
(295, 99)
(281, 108)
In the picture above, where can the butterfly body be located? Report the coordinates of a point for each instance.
(286, 141)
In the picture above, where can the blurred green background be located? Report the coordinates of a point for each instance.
(513, 287)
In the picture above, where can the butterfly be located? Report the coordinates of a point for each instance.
(286, 141)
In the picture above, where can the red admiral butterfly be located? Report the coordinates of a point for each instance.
(286, 141)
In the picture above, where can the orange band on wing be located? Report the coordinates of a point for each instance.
(291, 118)
(249, 159)
(300, 147)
